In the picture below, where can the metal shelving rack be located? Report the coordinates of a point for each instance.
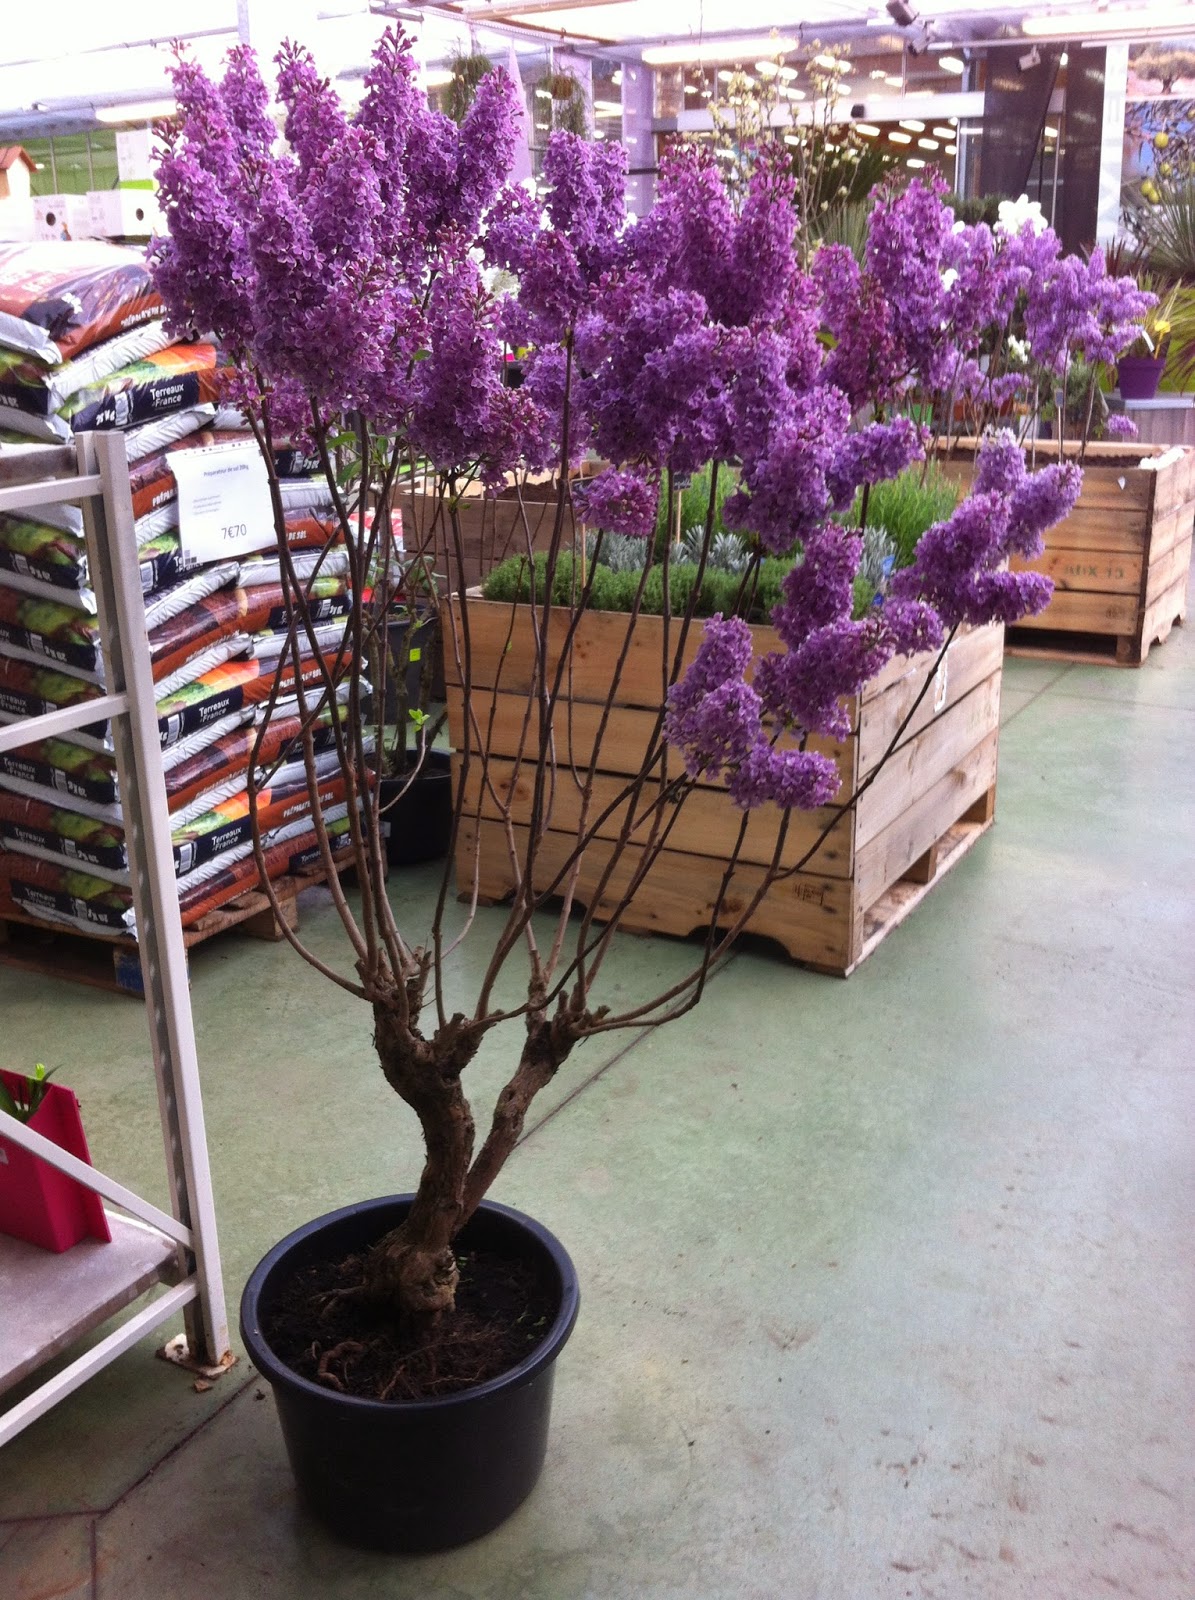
(47, 1302)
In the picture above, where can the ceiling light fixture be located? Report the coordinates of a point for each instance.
(915, 162)
(927, 144)
(954, 64)
(912, 124)
(680, 55)
(867, 129)
(1082, 24)
(900, 138)
(944, 133)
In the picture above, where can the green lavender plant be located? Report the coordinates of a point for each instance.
(905, 506)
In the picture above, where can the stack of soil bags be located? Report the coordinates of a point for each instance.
(82, 346)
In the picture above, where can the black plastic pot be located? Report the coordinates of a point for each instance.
(423, 1475)
(419, 820)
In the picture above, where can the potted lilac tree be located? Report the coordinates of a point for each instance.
(343, 275)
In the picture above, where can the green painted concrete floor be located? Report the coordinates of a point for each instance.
(887, 1285)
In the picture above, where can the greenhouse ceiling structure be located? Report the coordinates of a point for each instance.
(109, 64)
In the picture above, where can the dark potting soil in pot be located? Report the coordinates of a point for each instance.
(321, 1326)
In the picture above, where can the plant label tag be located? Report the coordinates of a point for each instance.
(224, 506)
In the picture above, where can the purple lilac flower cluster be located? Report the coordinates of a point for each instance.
(342, 274)
(335, 270)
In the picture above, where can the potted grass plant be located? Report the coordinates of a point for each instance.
(341, 274)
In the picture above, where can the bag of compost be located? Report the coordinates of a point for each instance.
(172, 380)
(60, 298)
(27, 385)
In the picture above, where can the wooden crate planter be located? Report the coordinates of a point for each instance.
(491, 528)
(931, 803)
(1120, 560)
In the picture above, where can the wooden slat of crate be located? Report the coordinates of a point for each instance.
(708, 824)
(1077, 611)
(1100, 533)
(1087, 571)
(501, 725)
(1166, 570)
(808, 914)
(889, 854)
(918, 765)
(972, 657)
(504, 651)
(596, 648)
(1172, 529)
(1122, 490)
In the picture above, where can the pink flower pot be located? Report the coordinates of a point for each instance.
(37, 1202)
(1138, 377)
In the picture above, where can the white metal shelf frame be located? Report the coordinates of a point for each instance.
(95, 474)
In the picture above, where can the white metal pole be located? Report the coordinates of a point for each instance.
(112, 553)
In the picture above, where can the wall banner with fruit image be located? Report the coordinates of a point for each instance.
(1159, 124)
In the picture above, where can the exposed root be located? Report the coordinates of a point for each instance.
(346, 1347)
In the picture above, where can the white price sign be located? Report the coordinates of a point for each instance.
(224, 506)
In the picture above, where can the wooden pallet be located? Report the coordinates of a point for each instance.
(31, 945)
(1094, 649)
(933, 800)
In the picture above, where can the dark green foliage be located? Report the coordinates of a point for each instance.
(568, 103)
(695, 505)
(751, 594)
(467, 73)
(980, 208)
(906, 506)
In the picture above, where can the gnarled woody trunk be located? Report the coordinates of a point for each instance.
(414, 1268)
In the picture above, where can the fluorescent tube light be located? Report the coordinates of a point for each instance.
(912, 124)
(679, 55)
(927, 144)
(900, 138)
(915, 162)
(954, 64)
(867, 129)
(1082, 24)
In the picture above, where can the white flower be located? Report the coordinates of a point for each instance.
(958, 227)
(1014, 214)
(949, 278)
(1018, 349)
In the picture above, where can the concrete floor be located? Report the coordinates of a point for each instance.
(887, 1285)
